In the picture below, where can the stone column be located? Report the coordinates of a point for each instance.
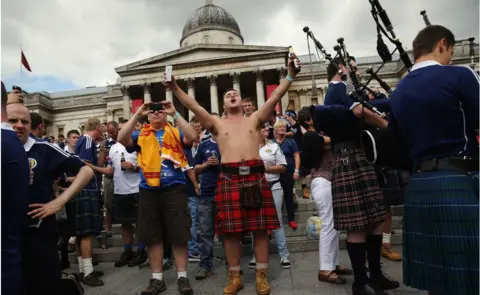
(236, 82)
(260, 90)
(147, 97)
(109, 115)
(169, 95)
(191, 92)
(213, 95)
(127, 113)
(302, 94)
(285, 99)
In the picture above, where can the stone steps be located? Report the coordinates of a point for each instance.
(294, 243)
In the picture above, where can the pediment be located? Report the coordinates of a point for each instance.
(201, 52)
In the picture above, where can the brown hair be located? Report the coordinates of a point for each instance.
(229, 89)
(428, 38)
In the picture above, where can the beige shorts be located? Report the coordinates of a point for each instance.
(108, 192)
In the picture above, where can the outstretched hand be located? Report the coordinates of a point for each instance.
(291, 65)
(170, 85)
(41, 211)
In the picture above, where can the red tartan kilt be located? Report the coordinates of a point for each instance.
(230, 216)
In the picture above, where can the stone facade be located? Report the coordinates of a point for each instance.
(205, 70)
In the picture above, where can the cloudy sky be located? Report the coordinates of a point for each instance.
(73, 44)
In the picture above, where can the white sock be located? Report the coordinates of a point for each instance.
(87, 266)
(80, 264)
(234, 268)
(72, 240)
(181, 274)
(261, 265)
(157, 276)
(387, 238)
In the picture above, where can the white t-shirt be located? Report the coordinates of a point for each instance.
(125, 182)
(272, 154)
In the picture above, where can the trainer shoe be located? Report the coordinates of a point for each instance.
(184, 286)
(155, 287)
(145, 264)
(168, 264)
(202, 274)
(293, 225)
(253, 263)
(193, 257)
(92, 280)
(285, 263)
(390, 254)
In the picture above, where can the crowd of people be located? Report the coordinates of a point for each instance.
(177, 185)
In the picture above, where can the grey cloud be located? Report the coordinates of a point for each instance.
(83, 41)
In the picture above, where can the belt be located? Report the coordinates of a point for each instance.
(346, 145)
(453, 163)
(242, 170)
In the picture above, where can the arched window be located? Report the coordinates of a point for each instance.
(230, 40)
(206, 39)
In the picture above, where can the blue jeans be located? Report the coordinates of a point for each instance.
(206, 234)
(279, 234)
(192, 244)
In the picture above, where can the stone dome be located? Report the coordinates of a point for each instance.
(210, 17)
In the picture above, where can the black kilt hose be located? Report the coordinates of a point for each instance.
(89, 219)
(357, 198)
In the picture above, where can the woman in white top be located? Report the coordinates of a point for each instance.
(275, 163)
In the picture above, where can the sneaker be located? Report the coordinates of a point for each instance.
(97, 273)
(285, 263)
(184, 286)
(140, 258)
(202, 274)
(293, 225)
(193, 257)
(125, 258)
(92, 280)
(144, 265)
(253, 263)
(155, 287)
(168, 264)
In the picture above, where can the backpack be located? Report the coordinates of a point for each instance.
(71, 284)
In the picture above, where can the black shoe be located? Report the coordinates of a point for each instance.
(383, 283)
(92, 280)
(154, 287)
(168, 264)
(184, 286)
(126, 257)
(140, 258)
(97, 273)
(366, 290)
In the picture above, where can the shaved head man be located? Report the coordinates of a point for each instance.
(19, 117)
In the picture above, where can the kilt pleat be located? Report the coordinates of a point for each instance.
(230, 216)
(88, 219)
(356, 195)
(441, 232)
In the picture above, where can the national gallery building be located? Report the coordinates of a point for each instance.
(211, 58)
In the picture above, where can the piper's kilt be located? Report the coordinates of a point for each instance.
(88, 220)
(441, 232)
(356, 195)
(230, 216)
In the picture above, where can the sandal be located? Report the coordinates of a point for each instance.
(343, 271)
(328, 278)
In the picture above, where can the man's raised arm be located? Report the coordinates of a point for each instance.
(267, 109)
(125, 134)
(207, 120)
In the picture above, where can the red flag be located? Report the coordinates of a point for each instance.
(25, 62)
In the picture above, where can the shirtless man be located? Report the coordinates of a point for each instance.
(243, 197)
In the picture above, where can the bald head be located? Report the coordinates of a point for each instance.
(19, 117)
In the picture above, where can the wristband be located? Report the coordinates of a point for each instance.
(288, 78)
(176, 116)
(297, 171)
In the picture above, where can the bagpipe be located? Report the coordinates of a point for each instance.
(383, 147)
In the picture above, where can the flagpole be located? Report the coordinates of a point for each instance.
(21, 52)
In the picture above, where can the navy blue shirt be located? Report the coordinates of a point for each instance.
(86, 150)
(338, 122)
(15, 184)
(47, 161)
(289, 148)
(435, 108)
(337, 95)
(191, 162)
(170, 175)
(210, 175)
